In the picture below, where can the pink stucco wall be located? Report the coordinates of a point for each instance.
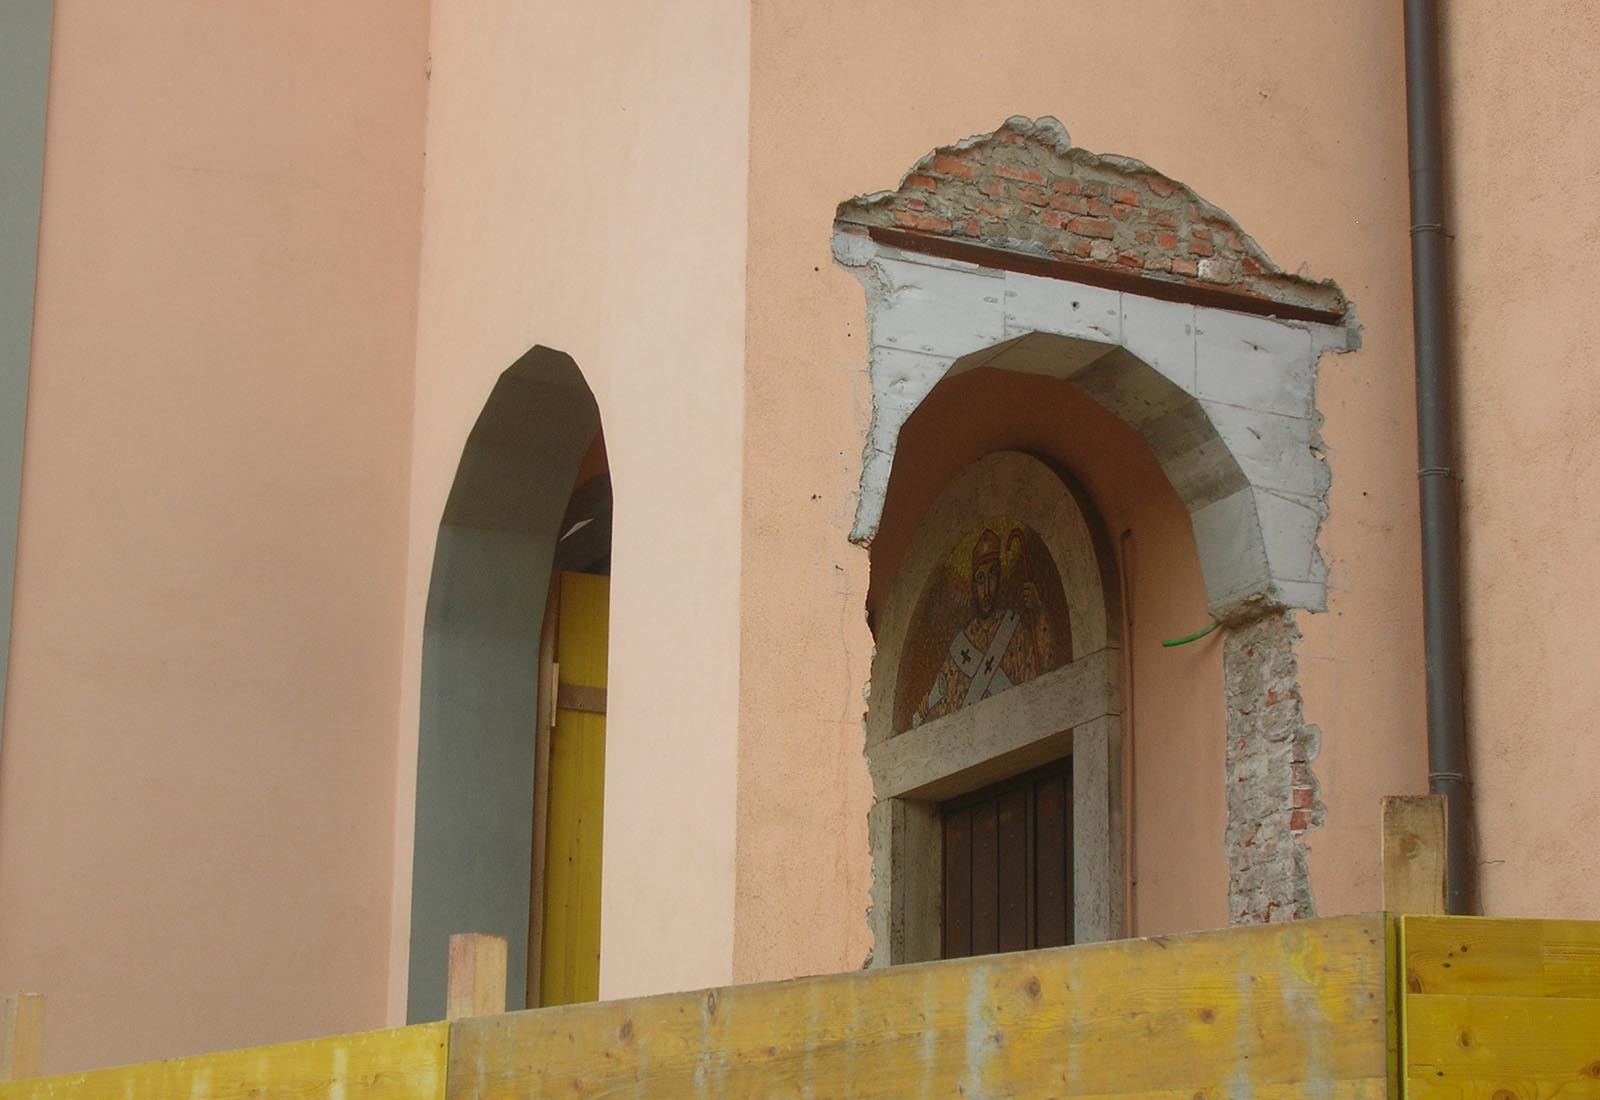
(1525, 183)
(260, 345)
(1289, 116)
(586, 191)
(196, 780)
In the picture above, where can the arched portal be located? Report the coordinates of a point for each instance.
(1018, 252)
(531, 501)
(994, 725)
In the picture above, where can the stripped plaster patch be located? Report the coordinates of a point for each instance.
(1225, 398)
(1272, 793)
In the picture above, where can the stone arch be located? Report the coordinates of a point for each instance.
(1017, 251)
(1070, 707)
(497, 544)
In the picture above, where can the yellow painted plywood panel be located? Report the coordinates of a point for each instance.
(405, 1063)
(560, 868)
(1267, 1012)
(582, 629)
(570, 941)
(1502, 1048)
(570, 969)
(1501, 957)
(591, 836)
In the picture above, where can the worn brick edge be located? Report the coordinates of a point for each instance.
(1273, 797)
(1026, 188)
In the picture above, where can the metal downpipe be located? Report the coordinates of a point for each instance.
(1448, 772)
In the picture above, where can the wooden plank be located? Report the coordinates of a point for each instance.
(1269, 1012)
(1011, 815)
(1413, 854)
(590, 700)
(584, 634)
(591, 830)
(1502, 1048)
(958, 884)
(570, 965)
(560, 864)
(476, 983)
(405, 1063)
(1500, 1009)
(570, 970)
(22, 1037)
(1500, 957)
(1051, 863)
(985, 879)
(1163, 287)
(581, 631)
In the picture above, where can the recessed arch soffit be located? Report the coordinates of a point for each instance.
(1018, 251)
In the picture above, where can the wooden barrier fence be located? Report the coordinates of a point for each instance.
(1500, 1009)
(1345, 1008)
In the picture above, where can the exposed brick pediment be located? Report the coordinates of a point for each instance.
(1025, 188)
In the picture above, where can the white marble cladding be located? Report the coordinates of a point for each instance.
(1227, 401)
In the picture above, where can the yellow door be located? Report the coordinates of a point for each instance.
(569, 968)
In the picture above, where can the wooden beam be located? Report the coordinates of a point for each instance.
(1272, 1012)
(1168, 289)
(1502, 957)
(406, 1063)
(1413, 854)
(22, 1037)
(1500, 1008)
(477, 978)
(1481, 1047)
(581, 697)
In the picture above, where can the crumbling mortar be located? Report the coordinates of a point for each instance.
(1105, 209)
(1269, 755)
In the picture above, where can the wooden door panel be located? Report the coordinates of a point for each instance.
(958, 884)
(1011, 812)
(1008, 865)
(1052, 863)
(985, 880)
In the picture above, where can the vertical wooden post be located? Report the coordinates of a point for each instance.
(1413, 854)
(22, 1037)
(477, 978)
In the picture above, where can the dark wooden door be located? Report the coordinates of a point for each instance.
(1008, 865)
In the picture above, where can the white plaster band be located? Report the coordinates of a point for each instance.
(1226, 401)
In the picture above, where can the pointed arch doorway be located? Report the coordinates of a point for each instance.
(510, 762)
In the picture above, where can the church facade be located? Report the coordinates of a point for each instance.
(724, 491)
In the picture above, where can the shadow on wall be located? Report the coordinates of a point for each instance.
(492, 565)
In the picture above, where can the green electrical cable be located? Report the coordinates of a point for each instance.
(1195, 637)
